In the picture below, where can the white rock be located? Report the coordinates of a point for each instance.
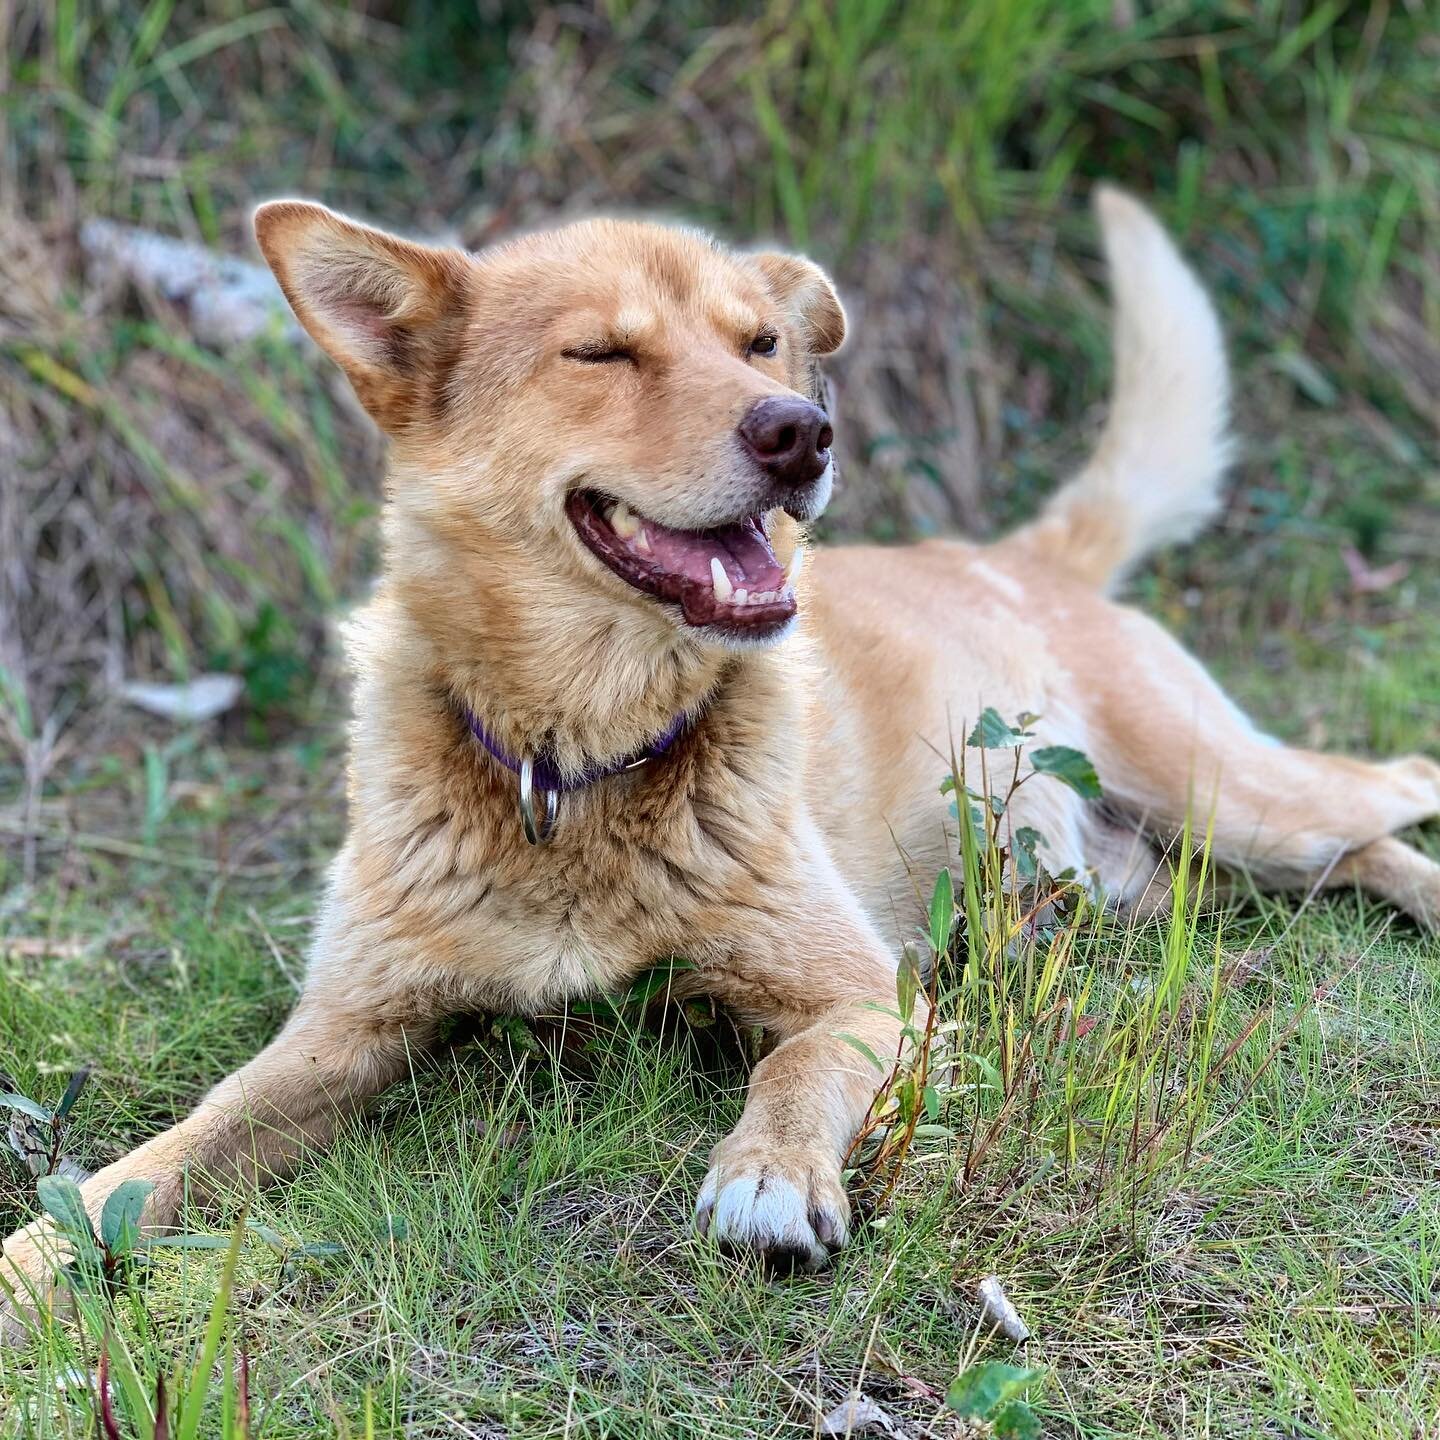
(228, 300)
(997, 1309)
(855, 1416)
(202, 698)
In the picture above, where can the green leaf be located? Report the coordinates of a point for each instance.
(931, 1099)
(182, 1242)
(85, 1274)
(1309, 378)
(516, 1032)
(11, 1101)
(992, 733)
(1070, 765)
(157, 794)
(934, 1132)
(699, 1013)
(62, 1200)
(905, 1099)
(856, 1043)
(907, 984)
(1016, 1421)
(273, 1238)
(320, 1250)
(979, 1392)
(120, 1219)
(72, 1092)
(653, 982)
(942, 912)
(1027, 865)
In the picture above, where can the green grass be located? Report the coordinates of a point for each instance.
(513, 1219)
(1270, 1267)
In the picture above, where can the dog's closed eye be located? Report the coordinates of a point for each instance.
(598, 352)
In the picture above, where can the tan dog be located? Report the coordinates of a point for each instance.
(604, 440)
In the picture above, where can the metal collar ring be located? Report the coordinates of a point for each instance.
(536, 833)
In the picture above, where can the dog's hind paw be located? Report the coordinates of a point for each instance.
(788, 1208)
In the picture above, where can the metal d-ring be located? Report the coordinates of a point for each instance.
(536, 834)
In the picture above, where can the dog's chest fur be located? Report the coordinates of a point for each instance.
(648, 864)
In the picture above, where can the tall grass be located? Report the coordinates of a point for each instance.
(1038, 1032)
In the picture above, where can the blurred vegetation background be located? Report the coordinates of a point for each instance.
(170, 506)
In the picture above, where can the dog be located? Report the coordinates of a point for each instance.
(610, 706)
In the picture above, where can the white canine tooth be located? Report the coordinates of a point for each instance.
(642, 541)
(742, 597)
(796, 565)
(623, 521)
(723, 588)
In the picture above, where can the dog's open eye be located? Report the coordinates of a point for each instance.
(598, 352)
(765, 343)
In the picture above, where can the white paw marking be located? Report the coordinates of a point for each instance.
(768, 1215)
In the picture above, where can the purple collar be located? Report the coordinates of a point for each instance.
(548, 778)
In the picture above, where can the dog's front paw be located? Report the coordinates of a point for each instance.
(26, 1283)
(787, 1206)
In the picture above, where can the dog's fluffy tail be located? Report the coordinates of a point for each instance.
(1155, 476)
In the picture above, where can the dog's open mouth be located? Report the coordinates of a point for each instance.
(727, 576)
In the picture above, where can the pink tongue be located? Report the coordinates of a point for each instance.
(743, 552)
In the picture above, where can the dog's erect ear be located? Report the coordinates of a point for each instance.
(391, 313)
(805, 291)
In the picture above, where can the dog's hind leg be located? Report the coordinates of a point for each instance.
(327, 1061)
(1170, 746)
(1289, 817)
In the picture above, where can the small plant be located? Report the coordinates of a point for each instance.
(296, 1254)
(37, 1133)
(993, 1393)
(99, 1260)
(180, 1418)
(1008, 1048)
(1003, 895)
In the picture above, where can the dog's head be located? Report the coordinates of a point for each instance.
(616, 405)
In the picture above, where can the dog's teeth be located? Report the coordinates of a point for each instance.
(623, 521)
(742, 597)
(723, 588)
(642, 540)
(796, 565)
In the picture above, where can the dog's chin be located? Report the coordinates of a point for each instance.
(721, 585)
(721, 637)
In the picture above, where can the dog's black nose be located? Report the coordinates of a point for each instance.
(789, 437)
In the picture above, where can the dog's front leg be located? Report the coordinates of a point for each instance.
(327, 1061)
(818, 984)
